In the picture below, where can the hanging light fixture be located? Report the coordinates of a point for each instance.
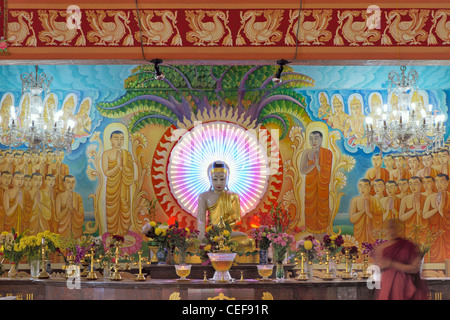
(158, 74)
(277, 77)
(408, 124)
(32, 128)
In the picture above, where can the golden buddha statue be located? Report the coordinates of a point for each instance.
(221, 204)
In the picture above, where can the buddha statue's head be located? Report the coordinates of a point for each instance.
(337, 105)
(218, 173)
(355, 106)
(375, 103)
(323, 99)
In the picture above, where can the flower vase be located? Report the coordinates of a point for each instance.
(106, 272)
(333, 268)
(309, 270)
(182, 255)
(35, 268)
(12, 273)
(263, 256)
(161, 255)
(279, 273)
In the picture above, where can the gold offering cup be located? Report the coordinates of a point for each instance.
(183, 271)
(222, 263)
(265, 271)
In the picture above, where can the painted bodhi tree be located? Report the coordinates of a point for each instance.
(190, 90)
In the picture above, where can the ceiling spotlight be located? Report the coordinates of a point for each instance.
(158, 74)
(277, 77)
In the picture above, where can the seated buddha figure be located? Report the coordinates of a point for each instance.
(221, 204)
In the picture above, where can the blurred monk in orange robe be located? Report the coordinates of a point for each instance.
(316, 165)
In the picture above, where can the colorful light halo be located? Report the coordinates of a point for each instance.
(198, 148)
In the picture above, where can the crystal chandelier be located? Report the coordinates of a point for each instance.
(36, 128)
(408, 125)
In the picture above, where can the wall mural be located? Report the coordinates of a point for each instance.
(299, 143)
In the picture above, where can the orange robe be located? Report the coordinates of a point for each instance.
(118, 196)
(71, 221)
(440, 249)
(15, 219)
(393, 213)
(396, 175)
(27, 210)
(317, 208)
(415, 218)
(364, 227)
(40, 217)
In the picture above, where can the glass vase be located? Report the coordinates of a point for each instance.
(35, 268)
(182, 255)
(263, 257)
(161, 254)
(279, 273)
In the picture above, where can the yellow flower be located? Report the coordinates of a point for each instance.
(153, 223)
(308, 245)
(187, 230)
(158, 231)
(207, 247)
(16, 247)
(226, 233)
(216, 238)
(333, 238)
(5, 233)
(209, 228)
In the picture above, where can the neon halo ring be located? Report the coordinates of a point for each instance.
(198, 148)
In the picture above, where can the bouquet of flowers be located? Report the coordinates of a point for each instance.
(260, 235)
(157, 233)
(75, 248)
(10, 245)
(116, 241)
(310, 246)
(52, 240)
(332, 244)
(353, 251)
(217, 240)
(31, 247)
(181, 238)
(101, 251)
(281, 243)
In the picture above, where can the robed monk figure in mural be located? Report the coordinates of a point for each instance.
(316, 165)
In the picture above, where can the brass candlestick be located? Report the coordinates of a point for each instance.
(140, 276)
(349, 260)
(70, 269)
(328, 274)
(302, 275)
(91, 275)
(365, 274)
(116, 275)
(43, 274)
